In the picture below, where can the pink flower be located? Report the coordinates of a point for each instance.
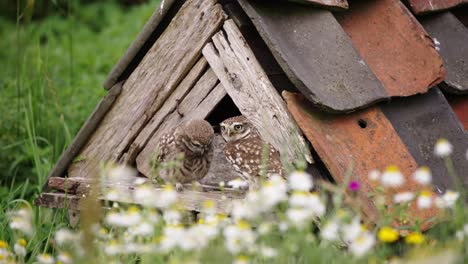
(354, 186)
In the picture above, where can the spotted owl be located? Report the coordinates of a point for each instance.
(185, 153)
(245, 149)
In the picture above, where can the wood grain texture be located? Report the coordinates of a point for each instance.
(190, 199)
(86, 131)
(198, 104)
(427, 6)
(420, 121)
(249, 87)
(316, 55)
(342, 141)
(394, 45)
(330, 4)
(148, 87)
(137, 44)
(451, 41)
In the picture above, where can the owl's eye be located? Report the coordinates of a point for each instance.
(237, 127)
(223, 128)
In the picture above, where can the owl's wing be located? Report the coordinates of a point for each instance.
(163, 147)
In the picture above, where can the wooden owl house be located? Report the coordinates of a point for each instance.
(365, 83)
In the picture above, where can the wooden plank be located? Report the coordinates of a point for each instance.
(451, 40)
(155, 78)
(249, 87)
(316, 54)
(190, 199)
(329, 4)
(425, 6)
(198, 73)
(420, 121)
(462, 14)
(85, 132)
(198, 104)
(152, 29)
(459, 105)
(365, 140)
(394, 45)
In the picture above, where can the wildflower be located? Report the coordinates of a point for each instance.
(423, 175)
(403, 197)
(250, 208)
(299, 216)
(374, 175)
(45, 259)
(172, 235)
(22, 225)
(283, 226)
(20, 247)
(241, 260)
(414, 238)
(64, 257)
(144, 194)
(460, 235)
(354, 186)
(172, 217)
(113, 248)
(330, 231)
(362, 244)
(128, 218)
(140, 181)
(264, 228)
(392, 177)
(64, 236)
(310, 201)
(121, 173)
(424, 200)
(352, 230)
(273, 191)
(443, 148)
(239, 237)
(268, 252)
(113, 194)
(450, 198)
(144, 229)
(238, 184)
(152, 215)
(300, 181)
(387, 234)
(167, 197)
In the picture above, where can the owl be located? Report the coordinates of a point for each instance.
(185, 153)
(247, 152)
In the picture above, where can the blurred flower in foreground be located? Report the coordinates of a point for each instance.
(392, 177)
(447, 200)
(64, 236)
(374, 175)
(45, 259)
(64, 257)
(238, 184)
(362, 244)
(414, 238)
(300, 181)
(424, 200)
(403, 197)
(241, 260)
(423, 175)
(354, 186)
(20, 247)
(388, 234)
(239, 237)
(443, 148)
(330, 231)
(21, 220)
(167, 197)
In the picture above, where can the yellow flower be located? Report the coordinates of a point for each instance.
(209, 204)
(243, 224)
(388, 234)
(414, 238)
(3, 244)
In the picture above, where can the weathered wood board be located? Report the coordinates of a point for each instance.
(459, 105)
(330, 4)
(249, 87)
(420, 121)
(394, 45)
(426, 6)
(155, 78)
(85, 132)
(462, 14)
(363, 140)
(149, 30)
(198, 104)
(316, 54)
(451, 41)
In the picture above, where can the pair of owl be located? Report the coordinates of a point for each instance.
(192, 143)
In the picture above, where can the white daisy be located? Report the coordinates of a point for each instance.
(392, 177)
(238, 184)
(374, 175)
(443, 148)
(362, 244)
(423, 175)
(300, 181)
(403, 197)
(424, 200)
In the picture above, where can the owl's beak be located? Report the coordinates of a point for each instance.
(229, 132)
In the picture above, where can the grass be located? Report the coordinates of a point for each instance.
(51, 74)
